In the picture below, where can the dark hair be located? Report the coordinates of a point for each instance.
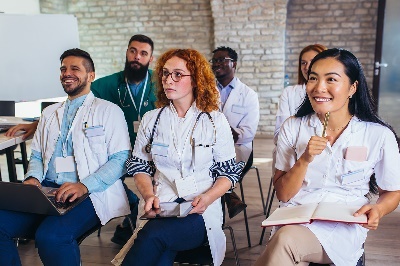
(361, 104)
(87, 60)
(232, 53)
(313, 47)
(143, 39)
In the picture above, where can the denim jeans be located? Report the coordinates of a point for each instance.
(160, 240)
(55, 236)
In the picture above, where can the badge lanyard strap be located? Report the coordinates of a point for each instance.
(141, 100)
(74, 121)
(175, 140)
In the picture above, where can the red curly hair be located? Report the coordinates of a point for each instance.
(205, 90)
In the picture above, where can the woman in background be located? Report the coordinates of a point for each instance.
(293, 96)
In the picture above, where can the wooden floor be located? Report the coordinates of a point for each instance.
(382, 246)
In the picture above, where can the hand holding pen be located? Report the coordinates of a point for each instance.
(325, 124)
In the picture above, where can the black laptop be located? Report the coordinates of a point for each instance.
(32, 199)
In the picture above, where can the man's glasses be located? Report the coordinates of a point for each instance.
(220, 60)
(176, 76)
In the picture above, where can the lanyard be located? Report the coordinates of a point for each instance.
(74, 121)
(181, 150)
(64, 144)
(141, 100)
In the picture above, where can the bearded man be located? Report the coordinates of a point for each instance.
(133, 91)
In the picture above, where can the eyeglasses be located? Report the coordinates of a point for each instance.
(220, 60)
(176, 76)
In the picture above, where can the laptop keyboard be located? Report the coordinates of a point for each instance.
(60, 205)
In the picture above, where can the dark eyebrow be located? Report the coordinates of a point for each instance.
(327, 74)
(332, 73)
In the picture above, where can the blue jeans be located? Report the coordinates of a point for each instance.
(160, 240)
(55, 236)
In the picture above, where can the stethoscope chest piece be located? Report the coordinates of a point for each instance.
(147, 148)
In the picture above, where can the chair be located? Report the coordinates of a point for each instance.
(7, 108)
(45, 104)
(202, 255)
(268, 205)
(249, 165)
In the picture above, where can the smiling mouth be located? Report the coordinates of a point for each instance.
(317, 99)
(68, 80)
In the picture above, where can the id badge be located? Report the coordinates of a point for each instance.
(186, 186)
(160, 149)
(238, 109)
(65, 164)
(352, 177)
(136, 126)
(94, 131)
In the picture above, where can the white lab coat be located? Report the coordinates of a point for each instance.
(90, 153)
(176, 133)
(289, 102)
(323, 180)
(243, 113)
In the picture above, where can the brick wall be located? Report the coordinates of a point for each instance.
(267, 34)
(256, 30)
(349, 24)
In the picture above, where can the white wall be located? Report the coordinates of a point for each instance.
(20, 6)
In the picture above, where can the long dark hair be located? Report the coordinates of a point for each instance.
(361, 104)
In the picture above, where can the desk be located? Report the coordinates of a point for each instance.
(6, 144)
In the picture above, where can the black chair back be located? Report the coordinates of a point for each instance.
(45, 104)
(7, 108)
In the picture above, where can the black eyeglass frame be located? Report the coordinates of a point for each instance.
(165, 77)
(220, 60)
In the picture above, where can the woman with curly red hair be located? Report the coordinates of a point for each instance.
(184, 151)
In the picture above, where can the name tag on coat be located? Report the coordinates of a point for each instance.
(94, 131)
(238, 109)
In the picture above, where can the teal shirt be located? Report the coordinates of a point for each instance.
(107, 88)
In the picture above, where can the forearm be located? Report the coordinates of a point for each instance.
(107, 174)
(388, 201)
(220, 187)
(35, 168)
(288, 184)
(144, 185)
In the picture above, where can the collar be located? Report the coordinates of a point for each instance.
(192, 109)
(231, 84)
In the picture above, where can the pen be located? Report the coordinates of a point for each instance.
(325, 124)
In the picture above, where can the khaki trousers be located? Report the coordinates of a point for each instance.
(293, 245)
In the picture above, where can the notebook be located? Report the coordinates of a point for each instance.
(32, 199)
(169, 210)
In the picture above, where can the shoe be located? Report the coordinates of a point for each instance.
(234, 204)
(121, 235)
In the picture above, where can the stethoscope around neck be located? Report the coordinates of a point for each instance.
(147, 148)
(127, 90)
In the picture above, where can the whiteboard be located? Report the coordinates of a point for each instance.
(30, 49)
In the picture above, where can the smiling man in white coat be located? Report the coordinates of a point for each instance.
(80, 146)
(240, 105)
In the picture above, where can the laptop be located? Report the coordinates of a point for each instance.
(4, 128)
(32, 199)
(169, 210)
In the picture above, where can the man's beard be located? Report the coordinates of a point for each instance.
(76, 90)
(135, 71)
